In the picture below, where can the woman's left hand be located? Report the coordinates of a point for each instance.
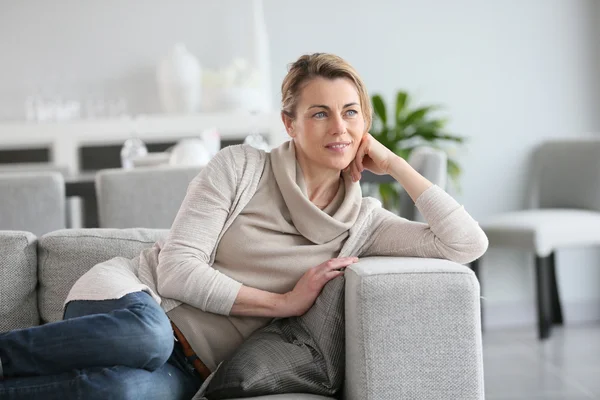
(371, 155)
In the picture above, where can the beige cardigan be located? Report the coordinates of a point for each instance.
(178, 270)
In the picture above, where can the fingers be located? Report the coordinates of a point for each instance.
(333, 274)
(356, 166)
(337, 263)
(360, 154)
(354, 171)
(330, 269)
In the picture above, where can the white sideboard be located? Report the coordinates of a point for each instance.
(65, 138)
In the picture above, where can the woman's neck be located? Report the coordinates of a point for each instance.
(322, 184)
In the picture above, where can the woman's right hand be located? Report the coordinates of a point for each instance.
(303, 296)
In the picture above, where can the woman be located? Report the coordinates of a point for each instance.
(257, 236)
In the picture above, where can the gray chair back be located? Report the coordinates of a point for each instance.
(566, 174)
(433, 165)
(34, 167)
(142, 197)
(32, 201)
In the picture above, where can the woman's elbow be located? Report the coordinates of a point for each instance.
(474, 248)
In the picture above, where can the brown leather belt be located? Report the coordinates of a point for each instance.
(190, 354)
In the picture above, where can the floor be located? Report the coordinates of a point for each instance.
(565, 367)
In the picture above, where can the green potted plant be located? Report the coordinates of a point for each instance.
(410, 127)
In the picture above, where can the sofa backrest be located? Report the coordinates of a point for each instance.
(565, 173)
(142, 197)
(65, 255)
(18, 280)
(32, 201)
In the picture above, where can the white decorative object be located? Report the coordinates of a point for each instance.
(245, 84)
(212, 140)
(179, 81)
(257, 141)
(132, 149)
(190, 152)
(235, 99)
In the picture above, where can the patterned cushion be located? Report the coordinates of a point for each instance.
(65, 255)
(18, 280)
(291, 355)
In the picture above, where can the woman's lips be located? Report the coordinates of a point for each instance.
(338, 147)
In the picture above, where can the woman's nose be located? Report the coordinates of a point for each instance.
(338, 125)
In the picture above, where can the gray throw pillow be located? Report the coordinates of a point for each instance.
(291, 355)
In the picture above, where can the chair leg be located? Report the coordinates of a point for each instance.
(544, 298)
(475, 268)
(557, 315)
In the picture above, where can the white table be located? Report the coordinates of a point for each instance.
(65, 138)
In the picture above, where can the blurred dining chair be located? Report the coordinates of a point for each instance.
(33, 167)
(147, 197)
(563, 211)
(32, 201)
(432, 164)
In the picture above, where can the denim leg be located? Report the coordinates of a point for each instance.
(115, 383)
(132, 331)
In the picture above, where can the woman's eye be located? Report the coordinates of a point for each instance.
(319, 115)
(351, 113)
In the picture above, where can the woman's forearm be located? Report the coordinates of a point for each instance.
(413, 182)
(251, 302)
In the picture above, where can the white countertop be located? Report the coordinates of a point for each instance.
(65, 138)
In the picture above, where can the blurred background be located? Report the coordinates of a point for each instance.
(91, 85)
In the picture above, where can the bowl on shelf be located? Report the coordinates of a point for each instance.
(152, 159)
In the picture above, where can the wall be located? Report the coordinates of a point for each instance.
(511, 73)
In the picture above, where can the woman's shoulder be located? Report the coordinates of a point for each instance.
(242, 156)
(231, 166)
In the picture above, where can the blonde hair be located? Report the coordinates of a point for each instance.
(325, 65)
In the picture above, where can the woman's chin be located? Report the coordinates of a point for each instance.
(339, 166)
(335, 164)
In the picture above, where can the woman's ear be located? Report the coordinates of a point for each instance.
(288, 122)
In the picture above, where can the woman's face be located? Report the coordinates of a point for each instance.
(329, 124)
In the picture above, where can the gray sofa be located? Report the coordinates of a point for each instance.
(412, 325)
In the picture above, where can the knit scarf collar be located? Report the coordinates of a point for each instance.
(318, 226)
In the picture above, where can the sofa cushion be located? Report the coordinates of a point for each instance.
(65, 255)
(291, 355)
(18, 280)
(290, 396)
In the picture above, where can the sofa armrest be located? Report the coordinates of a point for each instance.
(18, 280)
(413, 330)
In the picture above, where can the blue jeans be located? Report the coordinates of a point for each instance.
(109, 349)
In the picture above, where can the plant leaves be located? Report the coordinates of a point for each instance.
(417, 115)
(404, 152)
(413, 127)
(457, 139)
(389, 196)
(454, 171)
(399, 133)
(401, 103)
(383, 137)
(379, 108)
(432, 124)
(427, 135)
(432, 135)
(453, 168)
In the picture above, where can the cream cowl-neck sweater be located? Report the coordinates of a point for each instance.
(247, 219)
